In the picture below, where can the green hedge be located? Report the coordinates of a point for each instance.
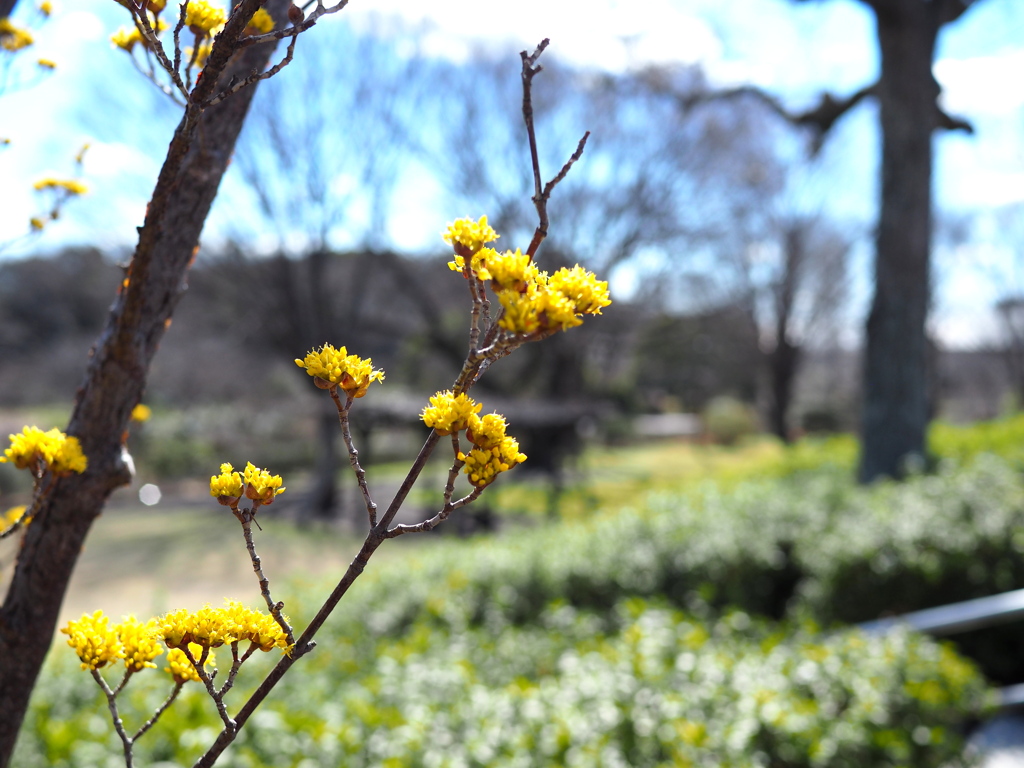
(814, 544)
(521, 650)
(662, 689)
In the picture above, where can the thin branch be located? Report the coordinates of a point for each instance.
(440, 517)
(236, 664)
(255, 77)
(353, 454)
(126, 740)
(274, 608)
(541, 191)
(160, 710)
(198, 665)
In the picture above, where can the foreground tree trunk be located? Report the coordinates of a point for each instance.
(156, 278)
(895, 400)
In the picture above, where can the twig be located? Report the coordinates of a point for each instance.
(542, 192)
(126, 740)
(274, 608)
(160, 710)
(197, 664)
(353, 454)
(255, 77)
(236, 664)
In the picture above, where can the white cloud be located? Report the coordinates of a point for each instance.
(610, 34)
(983, 84)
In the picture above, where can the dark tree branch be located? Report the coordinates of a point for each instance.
(820, 118)
(950, 122)
(116, 378)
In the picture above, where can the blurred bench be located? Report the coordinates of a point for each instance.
(980, 613)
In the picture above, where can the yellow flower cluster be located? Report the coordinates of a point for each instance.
(140, 643)
(71, 186)
(260, 23)
(255, 483)
(226, 485)
(533, 301)
(554, 302)
(141, 413)
(54, 450)
(332, 367)
(213, 627)
(448, 412)
(202, 18)
(97, 643)
(494, 451)
(181, 669)
(260, 485)
(467, 236)
(126, 37)
(13, 38)
(94, 640)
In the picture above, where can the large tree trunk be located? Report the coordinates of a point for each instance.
(196, 160)
(895, 404)
(784, 359)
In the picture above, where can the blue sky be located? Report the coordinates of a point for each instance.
(794, 50)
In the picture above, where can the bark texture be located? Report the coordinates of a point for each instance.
(895, 401)
(116, 378)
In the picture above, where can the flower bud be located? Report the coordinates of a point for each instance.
(295, 15)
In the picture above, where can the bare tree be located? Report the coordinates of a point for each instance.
(806, 293)
(895, 410)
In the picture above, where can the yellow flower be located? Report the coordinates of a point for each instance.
(71, 186)
(54, 450)
(588, 294)
(260, 23)
(448, 412)
(511, 270)
(94, 640)
(486, 431)
(140, 643)
(332, 367)
(141, 412)
(205, 627)
(259, 628)
(260, 485)
(467, 236)
(11, 517)
(13, 38)
(483, 465)
(126, 37)
(46, 7)
(37, 224)
(181, 668)
(202, 18)
(47, 63)
(554, 302)
(226, 485)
